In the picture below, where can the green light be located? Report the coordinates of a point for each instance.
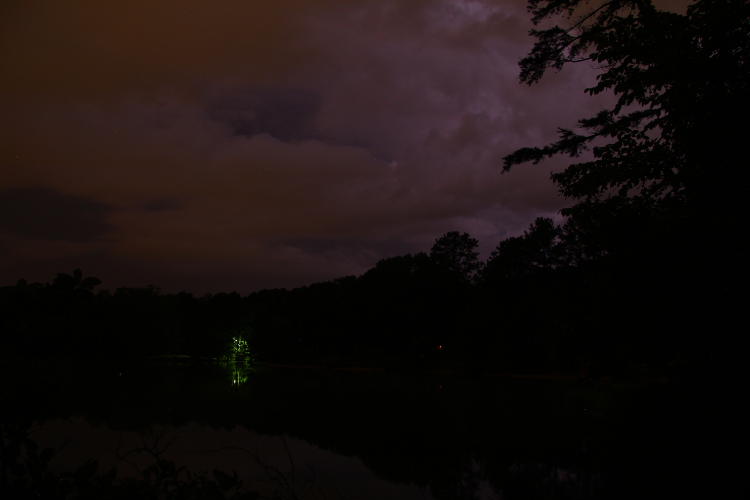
(238, 361)
(240, 347)
(239, 377)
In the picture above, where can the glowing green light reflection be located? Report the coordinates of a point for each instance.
(238, 361)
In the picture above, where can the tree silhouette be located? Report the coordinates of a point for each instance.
(76, 282)
(682, 85)
(655, 232)
(538, 249)
(457, 253)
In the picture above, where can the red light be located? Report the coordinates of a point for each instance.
(440, 347)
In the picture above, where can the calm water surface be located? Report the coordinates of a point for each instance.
(316, 433)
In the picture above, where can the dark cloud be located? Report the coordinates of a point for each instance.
(45, 214)
(360, 250)
(286, 114)
(239, 145)
(161, 204)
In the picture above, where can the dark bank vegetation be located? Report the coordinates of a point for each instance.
(26, 474)
(647, 271)
(529, 308)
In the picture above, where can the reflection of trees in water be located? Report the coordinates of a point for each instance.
(473, 438)
(26, 473)
(238, 361)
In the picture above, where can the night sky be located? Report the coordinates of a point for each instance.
(237, 145)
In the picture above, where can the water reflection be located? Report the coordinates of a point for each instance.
(238, 361)
(451, 437)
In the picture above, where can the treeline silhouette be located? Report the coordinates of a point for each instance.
(648, 271)
(533, 306)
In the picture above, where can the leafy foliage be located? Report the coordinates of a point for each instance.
(682, 88)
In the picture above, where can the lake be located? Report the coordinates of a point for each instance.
(333, 433)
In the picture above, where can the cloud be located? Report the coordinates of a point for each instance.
(44, 214)
(212, 146)
(284, 113)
